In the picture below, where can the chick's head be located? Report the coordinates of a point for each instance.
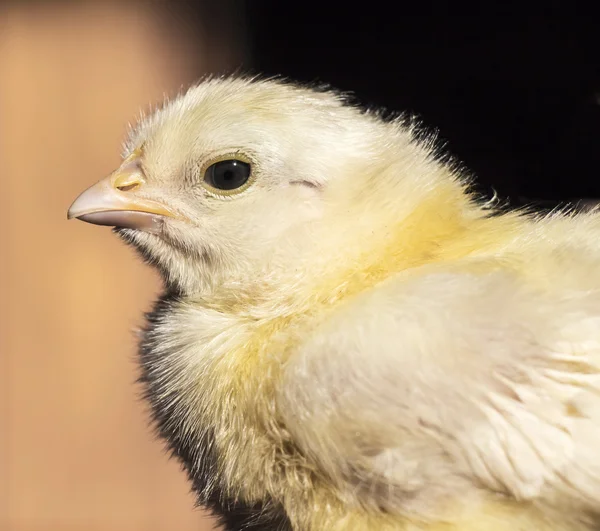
(239, 178)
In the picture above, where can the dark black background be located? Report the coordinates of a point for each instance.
(515, 95)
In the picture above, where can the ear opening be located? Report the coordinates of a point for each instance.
(309, 184)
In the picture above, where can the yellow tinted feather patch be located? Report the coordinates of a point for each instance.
(257, 455)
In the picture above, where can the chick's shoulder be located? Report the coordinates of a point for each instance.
(348, 338)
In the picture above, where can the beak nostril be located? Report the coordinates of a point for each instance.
(128, 187)
(127, 179)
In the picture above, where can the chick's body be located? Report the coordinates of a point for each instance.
(349, 340)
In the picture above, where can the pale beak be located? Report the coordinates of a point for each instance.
(114, 201)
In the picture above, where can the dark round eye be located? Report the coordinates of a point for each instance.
(227, 174)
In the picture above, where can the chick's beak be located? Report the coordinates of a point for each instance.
(114, 201)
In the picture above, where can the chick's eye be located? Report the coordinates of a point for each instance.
(227, 174)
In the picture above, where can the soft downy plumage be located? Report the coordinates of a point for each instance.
(350, 339)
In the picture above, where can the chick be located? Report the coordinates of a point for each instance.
(348, 338)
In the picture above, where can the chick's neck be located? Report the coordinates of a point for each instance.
(348, 254)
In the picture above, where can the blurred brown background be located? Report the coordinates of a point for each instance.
(75, 448)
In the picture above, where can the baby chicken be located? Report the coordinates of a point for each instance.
(349, 339)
